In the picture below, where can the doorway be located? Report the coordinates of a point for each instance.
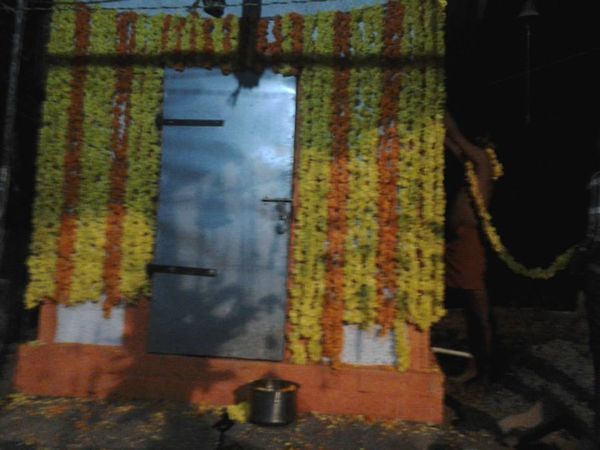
(220, 267)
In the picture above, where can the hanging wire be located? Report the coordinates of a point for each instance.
(67, 6)
(542, 67)
(88, 2)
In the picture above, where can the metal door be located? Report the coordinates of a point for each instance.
(220, 266)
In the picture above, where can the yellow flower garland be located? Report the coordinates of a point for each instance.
(144, 165)
(308, 284)
(53, 135)
(497, 167)
(360, 246)
(496, 243)
(408, 273)
(96, 158)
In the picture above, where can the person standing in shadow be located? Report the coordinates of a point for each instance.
(465, 254)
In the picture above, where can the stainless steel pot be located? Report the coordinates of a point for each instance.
(273, 401)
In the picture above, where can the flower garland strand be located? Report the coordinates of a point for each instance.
(164, 32)
(436, 107)
(207, 40)
(308, 285)
(497, 167)
(195, 40)
(360, 245)
(143, 167)
(53, 138)
(87, 281)
(408, 271)
(388, 155)
(118, 171)
(430, 180)
(333, 309)
(491, 233)
(72, 160)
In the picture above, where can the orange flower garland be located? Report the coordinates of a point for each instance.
(164, 37)
(178, 55)
(209, 48)
(228, 23)
(179, 26)
(334, 278)
(291, 46)
(193, 32)
(388, 172)
(262, 43)
(118, 171)
(296, 33)
(71, 182)
(276, 46)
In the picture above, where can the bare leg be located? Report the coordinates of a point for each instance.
(480, 330)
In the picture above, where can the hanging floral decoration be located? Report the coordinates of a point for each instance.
(72, 161)
(387, 168)
(368, 224)
(48, 203)
(333, 307)
(118, 169)
(559, 263)
(96, 159)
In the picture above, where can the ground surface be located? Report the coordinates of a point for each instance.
(546, 357)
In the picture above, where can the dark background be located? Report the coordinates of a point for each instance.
(539, 205)
(21, 323)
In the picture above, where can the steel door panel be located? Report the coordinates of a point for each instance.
(210, 215)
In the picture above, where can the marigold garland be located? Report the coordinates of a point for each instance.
(262, 40)
(359, 246)
(72, 161)
(53, 138)
(291, 44)
(559, 263)
(430, 179)
(118, 171)
(336, 203)
(87, 281)
(178, 36)
(195, 36)
(388, 155)
(143, 168)
(165, 30)
(497, 167)
(207, 40)
(308, 283)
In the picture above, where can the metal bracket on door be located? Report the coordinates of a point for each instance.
(276, 200)
(161, 121)
(180, 270)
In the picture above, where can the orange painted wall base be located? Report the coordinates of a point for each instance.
(79, 370)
